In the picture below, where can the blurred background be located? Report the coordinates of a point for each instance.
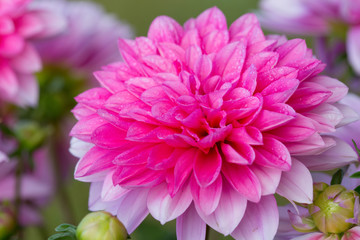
(138, 14)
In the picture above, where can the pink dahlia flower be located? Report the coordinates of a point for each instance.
(35, 187)
(18, 58)
(318, 18)
(204, 123)
(88, 42)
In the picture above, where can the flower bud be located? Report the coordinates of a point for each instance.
(30, 134)
(7, 223)
(100, 226)
(332, 208)
(301, 223)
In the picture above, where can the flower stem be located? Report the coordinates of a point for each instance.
(207, 234)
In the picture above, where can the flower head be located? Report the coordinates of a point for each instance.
(18, 58)
(87, 43)
(317, 18)
(204, 124)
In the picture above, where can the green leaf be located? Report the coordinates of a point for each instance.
(355, 175)
(356, 147)
(62, 236)
(337, 177)
(65, 227)
(357, 189)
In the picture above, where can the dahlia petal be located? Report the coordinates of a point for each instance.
(94, 165)
(207, 167)
(260, 221)
(243, 180)
(229, 212)
(309, 96)
(215, 40)
(248, 134)
(207, 198)
(190, 226)
(138, 85)
(145, 46)
(165, 208)
(247, 26)
(211, 19)
(161, 157)
(52, 24)
(295, 130)
(132, 209)
(337, 156)
(191, 38)
(85, 126)
(10, 45)
(267, 77)
(6, 25)
(217, 135)
(229, 61)
(171, 51)
(137, 176)
(95, 202)
(313, 145)
(292, 50)
(165, 29)
(79, 148)
(108, 81)
(263, 61)
(351, 234)
(249, 79)
(239, 153)
(296, 184)
(111, 192)
(326, 117)
(203, 67)
(28, 90)
(311, 236)
(273, 117)
(8, 82)
(273, 154)
(353, 48)
(279, 91)
(269, 178)
(93, 98)
(183, 169)
(27, 61)
(338, 89)
(349, 115)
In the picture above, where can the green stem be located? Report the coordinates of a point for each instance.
(207, 235)
(65, 202)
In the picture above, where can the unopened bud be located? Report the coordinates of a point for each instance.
(332, 209)
(100, 226)
(7, 223)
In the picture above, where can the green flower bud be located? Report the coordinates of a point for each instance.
(332, 209)
(7, 223)
(100, 226)
(301, 223)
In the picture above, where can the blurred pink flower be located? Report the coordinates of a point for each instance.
(317, 18)
(204, 124)
(18, 58)
(36, 186)
(88, 42)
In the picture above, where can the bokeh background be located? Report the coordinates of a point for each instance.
(139, 14)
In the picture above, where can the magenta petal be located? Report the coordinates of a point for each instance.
(111, 192)
(260, 221)
(229, 212)
(109, 137)
(337, 156)
(243, 180)
(338, 89)
(273, 154)
(311, 236)
(353, 48)
(85, 126)
(207, 198)
(279, 91)
(277, 115)
(207, 167)
(165, 29)
(291, 51)
(183, 169)
(27, 61)
(9, 84)
(95, 164)
(190, 226)
(165, 208)
(269, 178)
(296, 184)
(238, 153)
(351, 234)
(93, 98)
(229, 60)
(132, 209)
(209, 20)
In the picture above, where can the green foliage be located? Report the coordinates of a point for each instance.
(337, 177)
(65, 232)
